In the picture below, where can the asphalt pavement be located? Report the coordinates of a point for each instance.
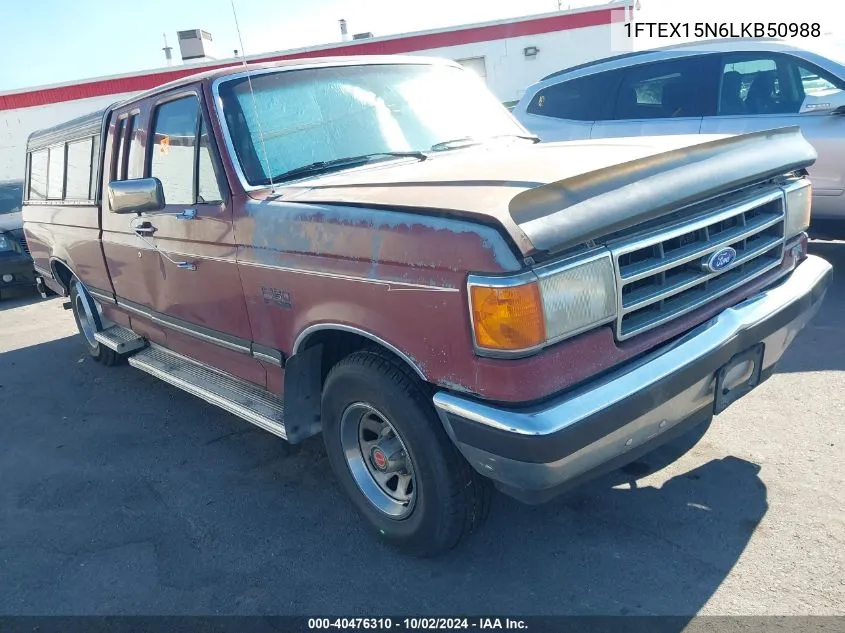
(120, 494)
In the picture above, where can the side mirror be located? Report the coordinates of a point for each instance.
(136, 195)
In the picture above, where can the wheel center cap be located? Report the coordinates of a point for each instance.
(378, 458)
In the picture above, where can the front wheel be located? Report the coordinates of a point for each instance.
(393, 458)
(88, 322)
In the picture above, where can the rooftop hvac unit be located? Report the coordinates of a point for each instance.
(195, 44)
(362, 36)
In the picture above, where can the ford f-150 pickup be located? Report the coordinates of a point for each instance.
(375, 250)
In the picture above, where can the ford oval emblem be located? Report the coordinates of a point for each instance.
(719, 260)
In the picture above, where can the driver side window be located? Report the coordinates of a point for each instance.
(769, 84)
(173, 147)
(181, 155)
(755, 85)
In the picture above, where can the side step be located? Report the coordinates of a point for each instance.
(120, 339)
(236, 396)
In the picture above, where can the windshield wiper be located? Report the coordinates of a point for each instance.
(469, 141)
(526, 137)
(323, 166)
(455, 143)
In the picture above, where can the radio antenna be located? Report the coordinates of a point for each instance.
(254, 104)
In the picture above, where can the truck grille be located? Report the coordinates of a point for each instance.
(662, 275)
(24, 245)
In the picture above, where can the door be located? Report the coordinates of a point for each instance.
(198, 290)
(668, 97)
(184, 277)
(762, 91)
(567, 110)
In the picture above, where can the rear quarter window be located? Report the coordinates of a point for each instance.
(38, 175)
(56, 173)
(581, 99)
(64, 172)
(79, 162)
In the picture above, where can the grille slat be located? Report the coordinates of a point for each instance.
(661, 276)
(24, 245)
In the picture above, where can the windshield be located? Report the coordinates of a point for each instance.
(832, 48)
(10, 196)
(835, 50)
(325, 114)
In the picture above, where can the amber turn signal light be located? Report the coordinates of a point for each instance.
(509, 318)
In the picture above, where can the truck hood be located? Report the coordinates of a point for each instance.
(552, 196)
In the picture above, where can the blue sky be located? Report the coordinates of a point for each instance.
(51, 41)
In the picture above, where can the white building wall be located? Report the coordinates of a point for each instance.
(509, 72)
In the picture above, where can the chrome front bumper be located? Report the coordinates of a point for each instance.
(537, 452)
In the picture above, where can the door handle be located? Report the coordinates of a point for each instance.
(145, 229)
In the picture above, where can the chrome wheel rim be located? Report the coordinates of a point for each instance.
(378, 460)
(86, 320)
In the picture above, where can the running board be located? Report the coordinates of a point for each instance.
(120, 339)
(236, 396)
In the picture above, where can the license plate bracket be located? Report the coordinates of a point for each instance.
(738, 376)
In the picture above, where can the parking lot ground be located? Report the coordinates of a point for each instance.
(122, 495)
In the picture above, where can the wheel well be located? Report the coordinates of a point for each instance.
(338, 344)
(63, 274)
(306, 372)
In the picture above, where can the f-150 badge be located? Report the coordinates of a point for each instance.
(277, 297)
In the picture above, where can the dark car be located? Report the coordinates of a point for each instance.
(17, 275)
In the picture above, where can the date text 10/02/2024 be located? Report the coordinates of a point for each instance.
(722, 29)
(415, 624)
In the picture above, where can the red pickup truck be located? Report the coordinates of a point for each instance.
(375, 250)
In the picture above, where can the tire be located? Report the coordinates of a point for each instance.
(448, 500)
(87, 322)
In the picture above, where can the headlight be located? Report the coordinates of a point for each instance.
(516, 315)
(6, 243)
(799, 200)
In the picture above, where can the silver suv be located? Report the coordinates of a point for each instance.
(714, 87)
